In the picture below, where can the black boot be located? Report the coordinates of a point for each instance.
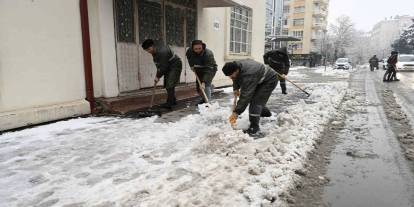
(265, 112)
(283, 86)
(254, 129)
(171, 100)
(254, 126)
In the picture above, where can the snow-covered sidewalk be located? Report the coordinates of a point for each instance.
(196, 161)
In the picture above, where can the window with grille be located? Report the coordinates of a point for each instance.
(125, 20)
(240, 30)
(149, 17)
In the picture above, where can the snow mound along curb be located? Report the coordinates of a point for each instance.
(197, 161)
(235, 170)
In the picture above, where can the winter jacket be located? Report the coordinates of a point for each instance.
(251, 75)
(393, 59)
(374, 61)
(164, 58)
(278, 60)
(205, 59)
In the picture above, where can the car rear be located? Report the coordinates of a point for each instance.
(405, 62)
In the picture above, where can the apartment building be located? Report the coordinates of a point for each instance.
(274, 22)
(385, 32)
(306, 20)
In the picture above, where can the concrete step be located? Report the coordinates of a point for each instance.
(141, 99)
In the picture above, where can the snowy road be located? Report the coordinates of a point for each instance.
(196, 160)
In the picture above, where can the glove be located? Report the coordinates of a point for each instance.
(233, 119)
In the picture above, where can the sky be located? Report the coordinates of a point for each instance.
(364, 17)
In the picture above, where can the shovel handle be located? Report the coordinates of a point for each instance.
(201, 89)
(233, 108)
(153, 94)
(282, 76)
(234, 103)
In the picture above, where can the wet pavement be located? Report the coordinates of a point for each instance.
(365, 156)
(367, 167)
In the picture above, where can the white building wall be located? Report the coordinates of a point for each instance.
(102, 35)
(41, 62)
(218, 39)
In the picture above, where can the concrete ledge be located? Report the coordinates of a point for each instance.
(27, 117)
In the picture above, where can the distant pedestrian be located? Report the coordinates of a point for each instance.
(373, 62)
(391, 73)
(168, 65)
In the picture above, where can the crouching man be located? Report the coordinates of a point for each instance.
(255, 83)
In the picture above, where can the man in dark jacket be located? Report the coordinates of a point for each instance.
(391, 73)
(280, 62)
(202, 62)
(373, 63)
(168, 65)
(255, 83)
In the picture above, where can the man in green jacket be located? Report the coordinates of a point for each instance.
(202, 62)
(255, 83)
(168, 65)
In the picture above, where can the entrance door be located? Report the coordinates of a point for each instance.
(170, 21)
(150, 27)
(126, 45)
(180, 31)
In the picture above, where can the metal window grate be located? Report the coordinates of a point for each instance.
(125, 20)
(149, 17)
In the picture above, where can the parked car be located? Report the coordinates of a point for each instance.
(405, 62)
(343, 63)
(383, 64)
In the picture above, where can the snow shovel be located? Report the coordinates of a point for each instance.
(282, 76)
(232, 109)
(150, 112)
(201, 88)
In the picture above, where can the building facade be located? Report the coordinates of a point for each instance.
(57, 56)
(274, 22)
(306, 20)
(385, 32)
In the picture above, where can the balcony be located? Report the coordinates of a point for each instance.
(319, 25)
(320, 13)
(317, 36)
(325, 2)
(218, 3)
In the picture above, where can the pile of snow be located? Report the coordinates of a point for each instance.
(297, 68)
(197, 161)
(329, 71)
(295, 75)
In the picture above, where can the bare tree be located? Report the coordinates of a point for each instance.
(342, 34)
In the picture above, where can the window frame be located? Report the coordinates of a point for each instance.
(241, 20)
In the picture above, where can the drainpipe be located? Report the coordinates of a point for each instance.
(87, 60)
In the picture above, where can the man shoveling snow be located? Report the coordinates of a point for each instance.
(255, 82)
